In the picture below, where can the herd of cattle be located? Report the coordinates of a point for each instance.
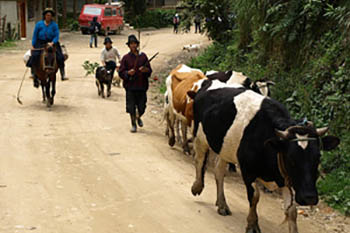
(234, 118)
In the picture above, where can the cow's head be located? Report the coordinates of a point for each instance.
(262, 87)
(299, 157)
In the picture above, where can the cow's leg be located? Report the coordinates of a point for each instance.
(201, 158)
(290, 210)
(109, 89)
(253, 197)
(98, 87)
(177, 126)
(220, 170)
(170, 123)
(185, 146)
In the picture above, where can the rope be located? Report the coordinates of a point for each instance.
(287, 180)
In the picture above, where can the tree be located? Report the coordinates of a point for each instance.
(74, 8)
(64, 12)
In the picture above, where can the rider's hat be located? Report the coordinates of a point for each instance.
(108, 40)
(49, 10)
(131, 39)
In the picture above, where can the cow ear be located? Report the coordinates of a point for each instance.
(330, 142)
(191, 94)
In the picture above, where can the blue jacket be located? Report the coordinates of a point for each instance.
(48, 33)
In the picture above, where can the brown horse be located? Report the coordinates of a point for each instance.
(46, 72)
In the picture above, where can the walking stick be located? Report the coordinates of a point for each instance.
(154, 56)
(20, 87)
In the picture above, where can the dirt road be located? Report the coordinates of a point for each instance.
(77, 169)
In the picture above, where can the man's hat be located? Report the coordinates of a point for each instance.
(108, 40)
(49, 10)
(131, 39)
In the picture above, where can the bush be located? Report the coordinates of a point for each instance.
(158, 18)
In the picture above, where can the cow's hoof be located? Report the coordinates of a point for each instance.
(254, 229)
(197, 188)
(103, 96)
(224, 211)
(108, 94)
(99, 93)
(171, 141)
(187, 150)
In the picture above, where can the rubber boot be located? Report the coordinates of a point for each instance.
(63, 74)
(139, 122)
(133, 124)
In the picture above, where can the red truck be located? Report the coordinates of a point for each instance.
(109, 16)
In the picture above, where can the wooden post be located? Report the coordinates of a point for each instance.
(3, 28)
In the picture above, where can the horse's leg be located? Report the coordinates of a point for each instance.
(98, 88)
(109, 88)
(53, 91)
(102, 90)
(43, 92)
(48, 94)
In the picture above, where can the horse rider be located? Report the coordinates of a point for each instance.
(46, 31)
(109, 56)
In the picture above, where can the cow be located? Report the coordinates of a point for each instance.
(261, 86)
(258, 134)
(178, 107)
(103, 76)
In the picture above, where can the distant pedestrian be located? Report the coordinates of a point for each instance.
(135, 71)
(109, 56)
(176, 22)
(95, 28)
(197, 22)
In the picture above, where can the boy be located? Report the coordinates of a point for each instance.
(135, 70)
(109, 56)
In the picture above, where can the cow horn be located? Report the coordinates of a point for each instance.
(271, 83)
(322, 131)
(310, 123)
(282, 134)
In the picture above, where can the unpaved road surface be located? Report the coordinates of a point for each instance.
(76, 168)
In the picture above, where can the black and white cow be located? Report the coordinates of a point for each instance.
(256, 132)
(103, 77)
(261, 86)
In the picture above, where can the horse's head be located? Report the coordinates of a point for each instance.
(50, 64)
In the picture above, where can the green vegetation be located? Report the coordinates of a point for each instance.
(90, 67)
(7, 44)
(302, 45)
(158, 18)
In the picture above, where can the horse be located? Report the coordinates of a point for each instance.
(46, 71)
(103, 76)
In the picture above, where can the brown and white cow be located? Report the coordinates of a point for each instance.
(178, 106)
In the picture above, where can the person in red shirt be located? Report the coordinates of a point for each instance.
(135, 71)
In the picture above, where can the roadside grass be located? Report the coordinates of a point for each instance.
(7, 44)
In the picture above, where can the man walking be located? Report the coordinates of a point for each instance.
(95, 27)
(197, 22)
(135, 70)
